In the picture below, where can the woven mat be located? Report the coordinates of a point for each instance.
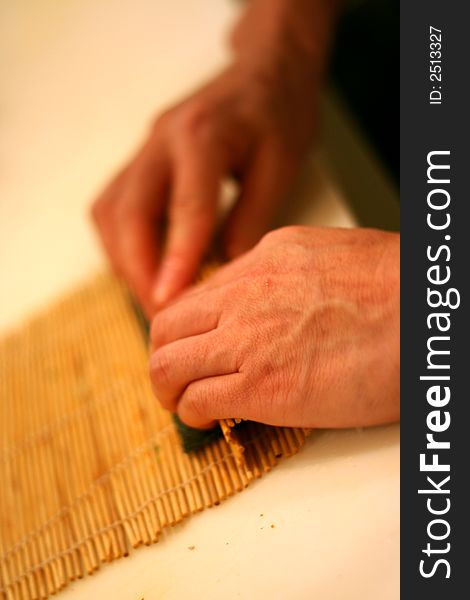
(90, 465)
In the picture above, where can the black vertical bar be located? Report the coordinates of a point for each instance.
(425, 127)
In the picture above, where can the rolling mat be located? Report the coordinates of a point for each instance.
(90, 465)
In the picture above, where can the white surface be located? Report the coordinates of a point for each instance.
(81, 81)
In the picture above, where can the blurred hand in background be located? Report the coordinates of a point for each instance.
(253, 122)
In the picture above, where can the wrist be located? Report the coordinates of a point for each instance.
(280, 73)
(289, 35)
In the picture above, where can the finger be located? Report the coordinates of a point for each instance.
(174, 366)
(138, 255)
(137, 212)
(102, 212)
(262, 191)
(200, 308)
(191, 221)
(207, 400)
(188, 317)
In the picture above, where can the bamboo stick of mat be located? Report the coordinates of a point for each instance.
(90, 465)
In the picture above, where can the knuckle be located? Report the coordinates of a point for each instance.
(192, 221)
(160, 369)
(270, 237)
(176, 262)
(195, 212)
(197, 404)
(158, 328)
(162, 121)
(194, 118)
(282, 234)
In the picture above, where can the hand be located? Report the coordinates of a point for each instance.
(253, 122)
(303, 331)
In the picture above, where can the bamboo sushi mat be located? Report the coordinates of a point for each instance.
(90, 465)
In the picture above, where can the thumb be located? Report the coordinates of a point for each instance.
(192, 212)
(263, 188)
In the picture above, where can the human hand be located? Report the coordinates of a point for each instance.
(253, 122)
(303, 330)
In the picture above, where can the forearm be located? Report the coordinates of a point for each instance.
(286, 31)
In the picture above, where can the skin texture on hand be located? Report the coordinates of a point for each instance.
(253, 122)
(302, 330)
